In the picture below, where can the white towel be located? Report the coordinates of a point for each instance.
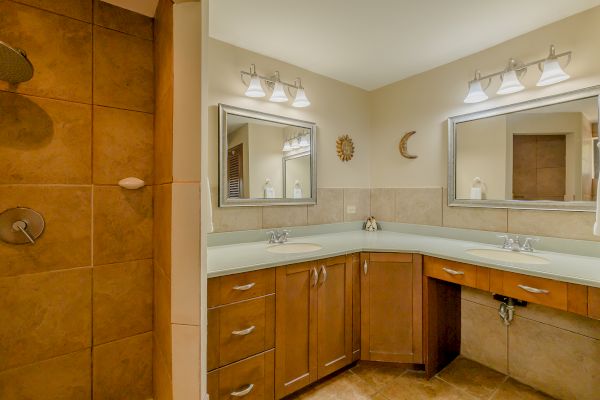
(597, 224)
(209, 211)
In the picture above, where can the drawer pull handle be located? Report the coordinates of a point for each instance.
(315, 276)
(365, 267)
(243, 392)
(452, 271)
(244, 332)
(323, 274)
(533, 290)
(245, 287)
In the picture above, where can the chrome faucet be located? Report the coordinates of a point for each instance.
(278, 236)
(513, 243)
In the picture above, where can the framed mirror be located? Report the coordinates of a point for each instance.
(265, 159)
(540, 154)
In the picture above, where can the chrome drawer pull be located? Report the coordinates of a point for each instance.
(245, 287)
(243, 392)
(323, 274)
(365, 267)
(315, 276)
(533, 290)
(244, 332)
(453, 272)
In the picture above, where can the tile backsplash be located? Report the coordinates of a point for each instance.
(421, 206)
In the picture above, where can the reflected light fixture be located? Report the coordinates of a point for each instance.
(254, 87)
(510, 78)
(552, 72)
(278, 87)
(476, 92)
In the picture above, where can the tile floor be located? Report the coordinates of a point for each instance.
(462, 379)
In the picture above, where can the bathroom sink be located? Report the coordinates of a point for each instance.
(508, 256)
(292, 248)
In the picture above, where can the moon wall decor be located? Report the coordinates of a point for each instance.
(404, 145)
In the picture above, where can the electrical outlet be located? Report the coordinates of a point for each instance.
(351, 209)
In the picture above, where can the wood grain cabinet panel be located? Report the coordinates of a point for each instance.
(237, 287)
(391, 307)
(240, 330)
(354, 261)
(542, 291)
(594, 302)
(250, 379)
(452, 271)
(296, 328)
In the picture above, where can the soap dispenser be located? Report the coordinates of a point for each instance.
(297, 190)
(269, 191)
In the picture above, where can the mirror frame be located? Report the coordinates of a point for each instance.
(224, 201)
(512, 108)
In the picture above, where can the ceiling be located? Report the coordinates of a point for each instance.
(145, 7)
(372, 43)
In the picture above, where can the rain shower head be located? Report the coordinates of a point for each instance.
(14, 65)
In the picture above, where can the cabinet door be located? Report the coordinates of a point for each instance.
(295, 327)
(334, 311)
(354, 260)
(391, 307)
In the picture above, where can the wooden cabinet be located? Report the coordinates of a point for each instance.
(354, 261)
(313, 335)
(594, 302)
(391, 307)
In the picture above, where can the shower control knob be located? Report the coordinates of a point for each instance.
(21, 225)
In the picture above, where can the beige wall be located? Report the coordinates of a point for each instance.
(425, 101)
(337, 108)
(265, 159)
(82, 295)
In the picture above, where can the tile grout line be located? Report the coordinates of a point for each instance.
(498, 388)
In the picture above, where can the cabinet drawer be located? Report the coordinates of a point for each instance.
(250, 379)
(451, 271)
(233, 288)
(240, 330)
(536, 290)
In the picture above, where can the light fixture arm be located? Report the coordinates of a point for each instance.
(270, 80)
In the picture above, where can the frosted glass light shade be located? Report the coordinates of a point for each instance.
(476, 93)
(305, 141)
(255, 88)
(278, 95)
(287, 146)
(552, 73)
(510, 83)
(301, 100)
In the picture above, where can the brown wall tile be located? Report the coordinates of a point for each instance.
(163, 195)
(66, 241)
(162, 379)
(44, 141)
(123, 71)
(162, 314)
(329, 208)
(62, 61)
(123, 145)
(163, 122)
(78, 9)
(66, 377)
(419, 206)
(120, 19)
(361, 200)
(44, 315)
(123, 300)
(123, 369)
(122, 224)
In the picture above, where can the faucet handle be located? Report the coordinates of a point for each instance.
(271, 236)
(528, 244)
(507, 240)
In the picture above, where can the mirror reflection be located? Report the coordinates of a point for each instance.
(540, 154)
(268, 160)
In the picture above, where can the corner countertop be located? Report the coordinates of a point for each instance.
(242, 257)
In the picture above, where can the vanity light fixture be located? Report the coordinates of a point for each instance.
(476, 92)
(297, 142)
(552, 73)
(510, 78)
(255, 89)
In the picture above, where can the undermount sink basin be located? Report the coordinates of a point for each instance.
(292, 248)
(508, 256)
